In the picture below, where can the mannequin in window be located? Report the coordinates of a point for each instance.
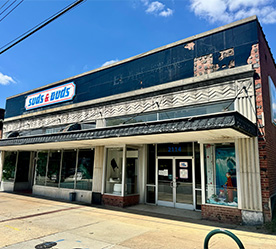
(229, 188)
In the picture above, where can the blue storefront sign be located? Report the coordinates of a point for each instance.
(51, 96)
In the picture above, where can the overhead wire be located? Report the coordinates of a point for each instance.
(39, 26)
(7, 7)
(11, 10)
(4, 4)
(30, 29)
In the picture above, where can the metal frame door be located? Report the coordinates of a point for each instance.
(173, 183)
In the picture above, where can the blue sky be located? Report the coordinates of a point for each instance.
(101, 31)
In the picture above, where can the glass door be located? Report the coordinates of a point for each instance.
(165, 182)
(175, 182)
(184, 183)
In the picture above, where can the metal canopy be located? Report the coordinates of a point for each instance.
(229, 125)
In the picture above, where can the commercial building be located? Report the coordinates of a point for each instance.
(190, 125)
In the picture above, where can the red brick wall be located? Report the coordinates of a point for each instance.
(221, 214)
(1, 128)
(267, 136)
(120, 201)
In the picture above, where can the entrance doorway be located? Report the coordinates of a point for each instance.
(175, 182)
(23, 176)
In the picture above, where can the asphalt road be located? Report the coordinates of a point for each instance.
(28, 222)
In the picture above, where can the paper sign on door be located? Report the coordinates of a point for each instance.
(183, 173)
(164, 172)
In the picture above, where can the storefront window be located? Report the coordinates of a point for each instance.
(41, 165)
(131, 119)
(9, 166)
(85, 169)
(196, 110)
(68, 169)
(131, 171)
(114, 164)
(174, 113)
(220, 170)
(53, 172)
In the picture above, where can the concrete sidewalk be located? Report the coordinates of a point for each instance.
(29, 221)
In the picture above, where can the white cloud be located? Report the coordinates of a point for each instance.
(237, 4)
(165, 13)
(109, 62)
(231, 10)
(145, 2)
(5, 79)
(157, 8)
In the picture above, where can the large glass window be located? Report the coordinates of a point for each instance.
(181, 112)
(114, 164)
(68, 169)
(41, 165)
(196, 110)
(9, 166)
(84, 173)
(220, 174)
(131, 119)
(53, 172)
(131, 171)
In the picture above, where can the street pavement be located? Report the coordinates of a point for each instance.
(28, 222)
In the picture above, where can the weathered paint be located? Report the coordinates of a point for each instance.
(167, 65)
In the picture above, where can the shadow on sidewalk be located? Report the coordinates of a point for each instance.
(188, 216)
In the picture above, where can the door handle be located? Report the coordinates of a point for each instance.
(171, 184)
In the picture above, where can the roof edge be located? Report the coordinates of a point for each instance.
(189, 39)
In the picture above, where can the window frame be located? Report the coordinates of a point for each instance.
(123, 182)
(203, 171)
(60, 167)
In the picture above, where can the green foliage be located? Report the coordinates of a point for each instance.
(41, 164)
(9, 167)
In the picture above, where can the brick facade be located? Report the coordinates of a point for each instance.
(221, 214)
(120, 201)
(263, 63)
(267, 131)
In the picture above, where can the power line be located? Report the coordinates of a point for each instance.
(4, 4)
(40, 26)
(8, 7)
(11, 10)
(32, 28)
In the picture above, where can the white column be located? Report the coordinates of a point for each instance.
(98, 169)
